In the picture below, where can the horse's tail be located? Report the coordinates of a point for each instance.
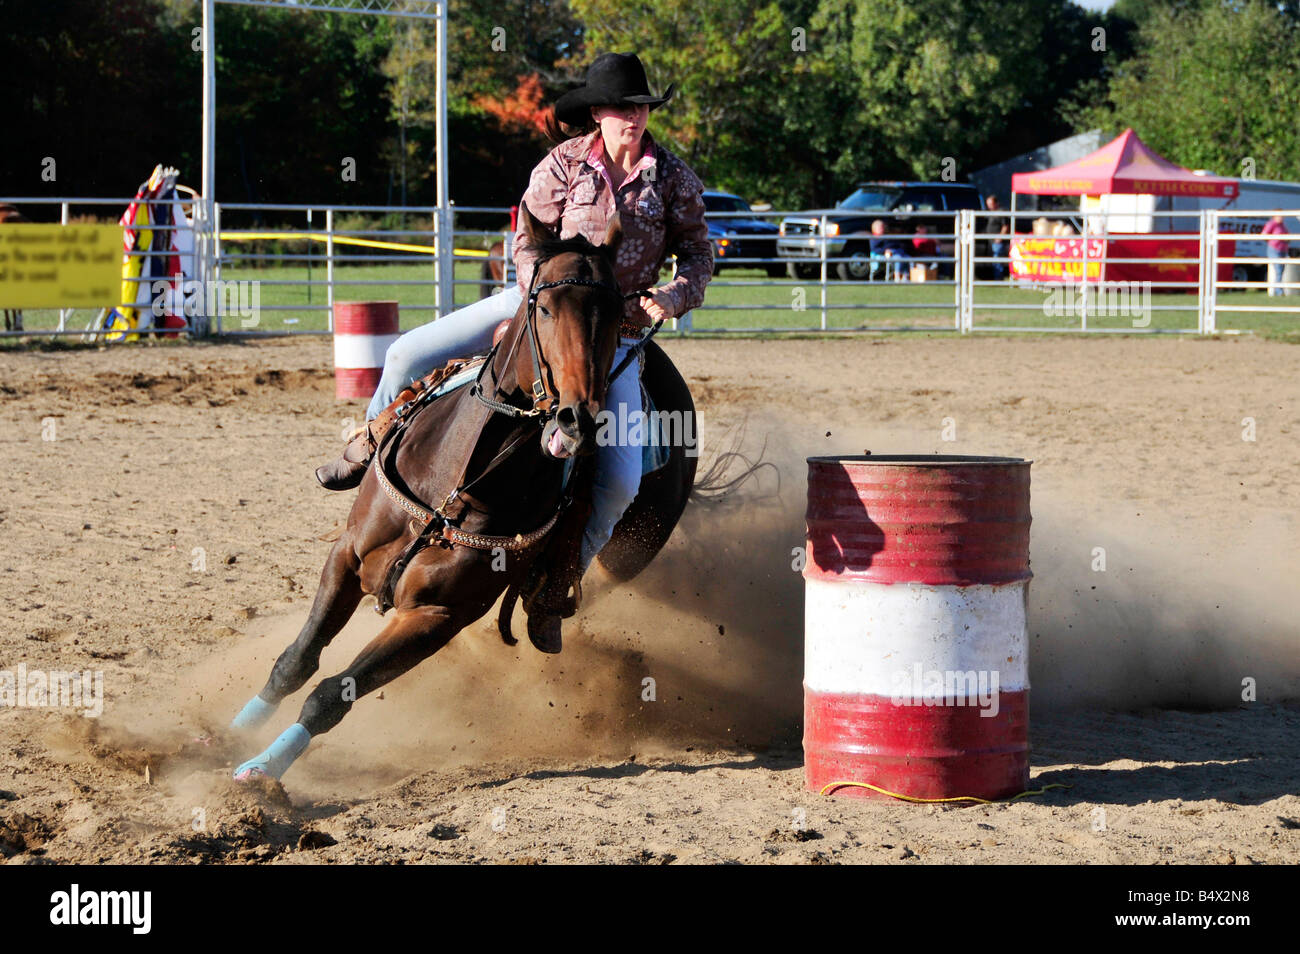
(730, 470)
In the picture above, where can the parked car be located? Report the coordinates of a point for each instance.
(739, 236)
(848, 225)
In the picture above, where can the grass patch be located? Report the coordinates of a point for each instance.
(738, 300)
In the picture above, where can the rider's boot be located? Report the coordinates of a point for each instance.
(346, 472)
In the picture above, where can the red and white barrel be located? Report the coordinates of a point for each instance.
(916, 675)
(363, 330)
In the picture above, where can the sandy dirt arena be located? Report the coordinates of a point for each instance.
(159, 524)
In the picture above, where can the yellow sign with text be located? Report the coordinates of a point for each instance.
(60, 266)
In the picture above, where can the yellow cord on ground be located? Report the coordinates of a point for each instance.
(956, 798)
(345, 240)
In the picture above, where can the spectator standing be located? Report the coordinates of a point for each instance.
(1277, 253)
(997, 247)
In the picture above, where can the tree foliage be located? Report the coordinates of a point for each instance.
(789, 101)
(1213, 84)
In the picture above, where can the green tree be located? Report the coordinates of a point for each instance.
(298, 92)
(796, 100)
(91, 86)
(505, 58)
(751, 115)
(1211, 85)
(935, 79)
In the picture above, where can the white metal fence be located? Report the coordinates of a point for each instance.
(926, 271)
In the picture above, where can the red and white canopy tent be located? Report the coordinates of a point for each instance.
(1125, 166)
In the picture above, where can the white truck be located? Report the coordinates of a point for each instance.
(1142, 213)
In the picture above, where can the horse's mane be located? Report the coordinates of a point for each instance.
(549, 248)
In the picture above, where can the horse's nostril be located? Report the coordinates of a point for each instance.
(567, 418)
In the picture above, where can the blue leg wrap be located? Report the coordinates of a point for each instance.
(280, 754)
(255, 712)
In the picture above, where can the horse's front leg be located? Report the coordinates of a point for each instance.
(336, 600)
(413, 635)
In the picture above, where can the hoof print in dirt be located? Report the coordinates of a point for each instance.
(794, 834)
(21, 833)
(256, 790)
(647, 857)
(311, 839)
(248, 822)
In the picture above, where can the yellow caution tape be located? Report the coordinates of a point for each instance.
(345, 240)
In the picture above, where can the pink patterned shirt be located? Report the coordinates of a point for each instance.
(661, 206)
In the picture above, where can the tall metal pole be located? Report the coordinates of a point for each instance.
(207, 243)
(209, 101)
(446, 301)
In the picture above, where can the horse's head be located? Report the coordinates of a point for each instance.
(572, 317)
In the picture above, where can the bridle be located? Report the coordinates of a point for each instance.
(544, 399)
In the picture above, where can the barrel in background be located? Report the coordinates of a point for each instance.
(363, 330)
(916, 674)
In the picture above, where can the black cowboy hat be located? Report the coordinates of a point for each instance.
(613, 79)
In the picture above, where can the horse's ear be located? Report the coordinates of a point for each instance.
(613, 234)
(534, 228)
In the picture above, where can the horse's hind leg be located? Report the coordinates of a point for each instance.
(336, 600)
(412, 636)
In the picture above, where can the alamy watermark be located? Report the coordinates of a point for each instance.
(1130, 300)
(948, 687)
(76, 906)
(655, 429)
(24, 688)
(229, 299)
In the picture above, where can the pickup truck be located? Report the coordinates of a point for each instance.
(848, 225)
(736, 233)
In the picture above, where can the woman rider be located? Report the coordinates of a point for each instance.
(605, 162)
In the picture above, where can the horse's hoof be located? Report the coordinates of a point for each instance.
(281, 754)
(544, 631)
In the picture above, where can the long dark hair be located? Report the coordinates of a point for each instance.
(558, 132)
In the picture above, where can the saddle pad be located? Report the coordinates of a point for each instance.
(458, 380)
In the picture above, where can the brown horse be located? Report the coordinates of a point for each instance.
(556, 357)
